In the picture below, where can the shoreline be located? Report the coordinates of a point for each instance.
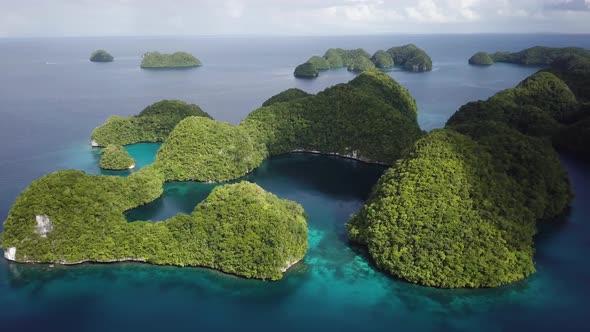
(138, 261)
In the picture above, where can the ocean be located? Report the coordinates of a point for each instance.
(52, 97)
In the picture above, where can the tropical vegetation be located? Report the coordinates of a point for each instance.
(459, 210)
(101, 56)
(481, 59)
(153, 124)
(409, 57)
(174, 60)
(306, 70)
(239, 229)
(533, 56)
(116, 158)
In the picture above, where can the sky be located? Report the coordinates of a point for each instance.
(21, 18)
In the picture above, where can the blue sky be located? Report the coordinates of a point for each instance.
(288, 17)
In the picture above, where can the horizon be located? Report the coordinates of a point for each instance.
(308, 36)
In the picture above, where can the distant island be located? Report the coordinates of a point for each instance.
(116, 158)
(457, 208)
(409, 57)
(534, 56)
(174, 60)
(101, 56)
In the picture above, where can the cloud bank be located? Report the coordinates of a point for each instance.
(288, 17)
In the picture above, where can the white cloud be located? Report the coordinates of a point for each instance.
(144, 17)
(234, 8)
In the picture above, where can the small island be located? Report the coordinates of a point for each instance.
(306, 70)
(116, 158)
(174, 60)
(152, 125)
(101, 56)
(408, 57)
(534, 56)
(481, 59)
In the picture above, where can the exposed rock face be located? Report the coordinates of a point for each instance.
(93, 143)
(10, 254)
(132, 166)
(44, 225)
(353, 155)
(288, 264)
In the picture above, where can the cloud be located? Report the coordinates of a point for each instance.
(569, 5)
(234, 8)
(289, 17)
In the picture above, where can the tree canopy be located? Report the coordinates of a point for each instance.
(115, 157)
(287, 95)
(481, 59)
(382, 59)
(459, 209)
(408, 57)
(239, 229)
(153, 124)
(533, 56)
(101, 56)
(306, 70)
(174, 60)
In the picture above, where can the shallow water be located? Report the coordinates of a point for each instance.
(51, 98)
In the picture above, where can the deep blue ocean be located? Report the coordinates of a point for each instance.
(52, 97)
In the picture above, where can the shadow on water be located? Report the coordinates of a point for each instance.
(338, 178)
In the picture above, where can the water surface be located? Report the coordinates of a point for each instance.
(52, 97)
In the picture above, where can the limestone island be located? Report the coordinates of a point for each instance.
(457, 208)
(174, 60)
(408, 57)
(534, 56)
(101, 56)
(116, 158)
(306, 70)
(481, 59)
(152, 125)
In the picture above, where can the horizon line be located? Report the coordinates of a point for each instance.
(292, 35)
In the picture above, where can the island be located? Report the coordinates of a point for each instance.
(408, 57)
(533, 56)
(306, 70)
(70, 217)
(574, 133)
(460, 209)
(287, 95)
(116, 158)
(101, 56)
(382, 59)
(174, 60)
(152, 125)
(458, 206)
(481, 59)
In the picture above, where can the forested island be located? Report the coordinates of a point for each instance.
(409, 57)
(534, 56)
(70, 217)
(115, 158)
(101, 56)
(151, 125)
(174, 60)
(457, 208)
